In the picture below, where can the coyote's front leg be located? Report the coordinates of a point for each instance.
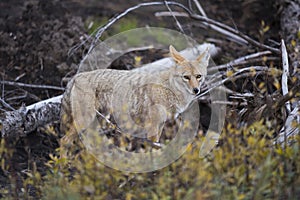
(157, 119)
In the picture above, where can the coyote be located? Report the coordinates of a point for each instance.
(139, 101)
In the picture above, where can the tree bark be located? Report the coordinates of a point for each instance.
(27, 119)
(290, 28)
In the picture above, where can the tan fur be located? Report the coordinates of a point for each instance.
(149, 99)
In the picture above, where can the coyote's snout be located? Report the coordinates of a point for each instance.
(138, 99)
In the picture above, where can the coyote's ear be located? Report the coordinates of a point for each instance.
(203, 57)
(175, 55)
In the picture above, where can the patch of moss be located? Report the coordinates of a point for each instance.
(92, 24)
(125, 24)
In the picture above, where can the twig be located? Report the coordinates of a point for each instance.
(6, 104)
(236, 32)
(288, 96)
(174, 17)
(114, 126)
(230, 36)
(234, 94)
(15, 97)
(230, 103)
(240, 60)
(236, 75)
(199, 7)
(167, 13)
(285, 74)
(11, 83)
(229, 31)
(20, 76)
(219, 75)
(235, 37)
(33, 96)
(241, 95)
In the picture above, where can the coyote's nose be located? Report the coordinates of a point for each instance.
(196, 90)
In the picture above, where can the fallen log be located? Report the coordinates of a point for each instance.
(26, 119)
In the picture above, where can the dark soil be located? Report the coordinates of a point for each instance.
(37, 36)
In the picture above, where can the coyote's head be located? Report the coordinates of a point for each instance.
(190, 74)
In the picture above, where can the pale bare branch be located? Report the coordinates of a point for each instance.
(242, 73)
(11, 83)
(285, 74)
(200, 9)
(241, 60)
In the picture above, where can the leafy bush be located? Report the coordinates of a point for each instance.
(245, 165)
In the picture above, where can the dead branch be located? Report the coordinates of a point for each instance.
(236, 32)
(242, 73)
(167, 14)
(240, 61)
(11, 83)
(227, 30)
(6, 104)
(199, 7)
(289, 129)
(177, 22)
(218, 29)
(230, 36)
(290, 95)
(285, 74)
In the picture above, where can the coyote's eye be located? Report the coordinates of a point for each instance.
(186, 78)
(198, 77)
